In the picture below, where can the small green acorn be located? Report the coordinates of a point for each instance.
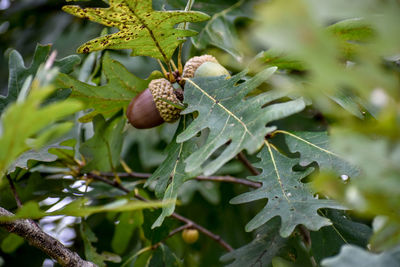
(203, 66)
(210, 69)
(190, 236)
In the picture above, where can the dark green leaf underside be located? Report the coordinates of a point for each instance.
(231, 117)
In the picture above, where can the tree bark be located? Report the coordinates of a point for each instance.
(39, 239)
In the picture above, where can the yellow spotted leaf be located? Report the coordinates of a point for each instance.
(146, 31)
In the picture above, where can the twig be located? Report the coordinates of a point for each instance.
(179, 229)
(39, 239)
(228, 179)
(305, 234)
(17, 199)
(203, 230)
(14, 191)
(141, 175)
(242, 158)
(175, 215)
(172, 233)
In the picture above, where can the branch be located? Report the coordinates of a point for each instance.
(242, 158)
(228, 179)
(175, 215)
(39, 239)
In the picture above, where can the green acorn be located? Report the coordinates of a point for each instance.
(203, 66)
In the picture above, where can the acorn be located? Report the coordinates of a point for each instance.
(190, 236)
(203, 66)
(151, 108)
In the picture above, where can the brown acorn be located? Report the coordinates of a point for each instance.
(149, 108)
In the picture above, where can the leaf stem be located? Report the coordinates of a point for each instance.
(171, 75)
(180, 66)
(164, 71)
(173, 65)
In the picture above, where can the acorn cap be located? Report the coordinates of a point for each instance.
(195, 62)
(162, 90)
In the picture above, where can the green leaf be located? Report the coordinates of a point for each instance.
(128, 222)
(66, 153)
(42, 155)
(146, 31)
(32, 120)
(160, 233)
(102, 151)
(19, 72)
(231, 117)
(314, 146)
(260, 251)
(287, 196)
(328, 240)
(351, 33)
(348, 33)
(88, 238)
(351, 256)
(163, 257)
(273, 57)
(386, 234)
(220, 30)
(79, 208)
(170, 175)
(377, 190)
(11, 243)
(107, 99)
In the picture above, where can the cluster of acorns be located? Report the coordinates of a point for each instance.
(160, 102)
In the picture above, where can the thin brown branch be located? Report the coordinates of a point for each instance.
(179, 229)
(305, 234)
(227, 179)
(141, 175)
(17, 198)
(39, 239)
(14, 191)
(175, 215)
(203, 230)
(242, 158)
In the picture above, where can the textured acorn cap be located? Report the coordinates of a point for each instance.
(195, 62)
(162, 89)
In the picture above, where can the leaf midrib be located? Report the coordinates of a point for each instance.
(218, 103)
